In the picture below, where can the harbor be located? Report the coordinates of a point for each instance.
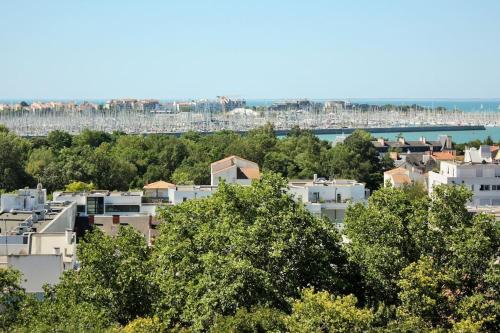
(321, 118)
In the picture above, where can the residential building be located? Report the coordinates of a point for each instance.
(400, 177)
(328, 198)
(402, 145)
(36, 237)
(182, 193)
(478, 172)
(108, 210)
(234, 169)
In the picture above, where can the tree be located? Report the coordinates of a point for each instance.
(110, 172)
(38, 161)
(58, 140)
(91, 138)
(357, 158)
(384, 238)
(242, 247)
(13, 155)
(79, 187)
(12, 297)
(322, 312)
(113, 285)
(255, 320)
(422, 297)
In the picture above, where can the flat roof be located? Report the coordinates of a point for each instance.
(10, 220)
(335, 182)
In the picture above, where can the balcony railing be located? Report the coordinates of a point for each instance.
(153, 200)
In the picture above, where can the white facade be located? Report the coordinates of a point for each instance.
(328, 198)
(483, 179)
(37, 270)
(103, 202)
(188, 192)
(24, 200)
(234, 170)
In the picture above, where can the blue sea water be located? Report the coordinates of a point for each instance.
(457, 136)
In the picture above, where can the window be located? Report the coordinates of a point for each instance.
(484, 188)
(80, 208)
(122, 209)
(339, 197)
(315, 197)
(95, 205)
(495, 187)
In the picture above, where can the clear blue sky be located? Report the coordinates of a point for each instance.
(252, 49)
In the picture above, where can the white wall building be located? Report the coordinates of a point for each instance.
(234, 170)
(477, 172)
(325, 198)
(36, 237)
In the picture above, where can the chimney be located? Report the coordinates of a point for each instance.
(69, 236)
(57, 251)
(315, 179)
(394, 155)
(423, 140)
(402, 140)
(381, 141)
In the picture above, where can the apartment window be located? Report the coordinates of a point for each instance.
(484, 188)
(80, 208)
(495, 187)
(315, 197)
(339, 197)
(95, 205)
(122, 208)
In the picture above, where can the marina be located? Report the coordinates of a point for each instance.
(323, 120)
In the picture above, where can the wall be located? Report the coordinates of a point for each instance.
(37, 270)
(65, 220)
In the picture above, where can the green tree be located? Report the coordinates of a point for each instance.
(79, 187)
(422, 296)
(255, 320)
(12, 296)
(58, 140)
(357, 158)
(109, 172)
(321, 312)
(38, 161)
(242, 247)
(92, 138)
(13, 155)
(384, 238)
(112, 285)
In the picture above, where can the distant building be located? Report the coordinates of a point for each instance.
(328, 198)
(234, 169)
(478, 171)
(421, 146)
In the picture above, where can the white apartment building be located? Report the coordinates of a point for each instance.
(478, 172)
(109, 210)
(36, 237)
(328, 198)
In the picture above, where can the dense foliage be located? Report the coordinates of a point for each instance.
(121, 162)
(250, 259)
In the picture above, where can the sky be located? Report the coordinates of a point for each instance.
(258, 49)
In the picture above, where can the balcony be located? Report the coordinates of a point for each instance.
(154, 201)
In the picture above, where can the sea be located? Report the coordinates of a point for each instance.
(466, 105)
